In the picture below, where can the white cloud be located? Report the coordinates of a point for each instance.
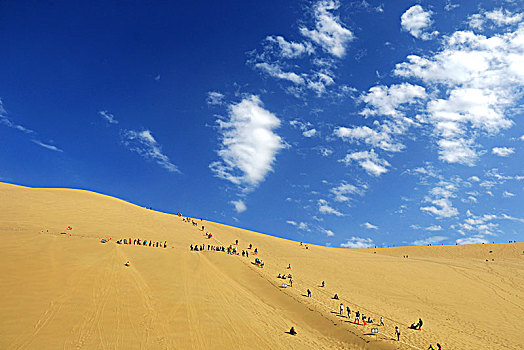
(369, 161)
(143, 143)
(386, 100)
(329, 33)
(503, 151)
(110, 118)
(369, 226)
(7, 122)
(358, 242)
(215, 98)
(457, 151)
(507, 194)
(521, 138)
(310, 133)
(324, 208)
(239, 205)
(429, 228)
(474, 178)
(416, 21)
(50, 147)
(324, 151)
(300, 225)
(499, 17)
(476, 79)
(248, 144)
(342, 191)
(381, 139)
(275, 71)
(477, 239)
(430, 240)
(328, 233)
(440, 198)
(290, 49)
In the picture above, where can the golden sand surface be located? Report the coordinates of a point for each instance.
(70, 291)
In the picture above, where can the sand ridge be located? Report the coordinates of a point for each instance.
(74, 292)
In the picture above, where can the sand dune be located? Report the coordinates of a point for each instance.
(71, 291)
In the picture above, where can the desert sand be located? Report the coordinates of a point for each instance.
(70, 291)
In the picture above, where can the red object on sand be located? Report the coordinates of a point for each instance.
(69, 228)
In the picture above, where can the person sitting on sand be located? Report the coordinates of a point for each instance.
(370, 320)
(335, 296)
(279, 276)
(289, 275)
(292, 331)
(127, 264)
(413, 326)
(256, 251)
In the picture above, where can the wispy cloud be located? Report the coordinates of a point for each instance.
(499, 17)
(47, 146)
(239, 205)
(430, 240)
(369, 161)
(343, 191)
(4, 119)
(215, 98)
(477, 239)
(9, 123)
(329, 33)
(502, 151)
(248, 144)
(300, 225)
(110, 118)
(325, 208)
(369, 226)
(440, 198)
(358, 242)
(143, 143)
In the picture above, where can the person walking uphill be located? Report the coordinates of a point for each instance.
(309, 293)
(397, 332)
(341, 309)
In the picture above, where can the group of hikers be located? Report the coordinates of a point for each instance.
(342, 310)
(145, 242)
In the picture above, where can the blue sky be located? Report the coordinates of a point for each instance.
(347, 124)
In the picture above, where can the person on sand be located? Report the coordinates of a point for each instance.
(381, 320)
(357, 317)
(279, 276)
(397, 332)
(289, 266)
(236, 242)
(191, 247)
(323, 284)
(341, 309)
(292, 331)
(165, 244)
(127, 264)
(290, 282)
(419, 324)
(309, 293)
(348, 311)
(256, 251)
(247, 254)
(335, 296)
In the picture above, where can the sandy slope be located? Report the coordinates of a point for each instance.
(61, 291)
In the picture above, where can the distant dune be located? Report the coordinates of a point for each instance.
(63, 289)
